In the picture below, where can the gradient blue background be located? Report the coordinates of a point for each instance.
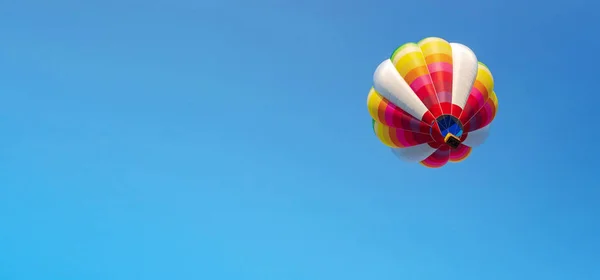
(231, 140)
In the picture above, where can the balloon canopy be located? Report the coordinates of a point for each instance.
(432, 102)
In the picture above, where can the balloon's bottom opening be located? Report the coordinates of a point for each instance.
(451, 129)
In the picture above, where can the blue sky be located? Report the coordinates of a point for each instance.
(231, 140)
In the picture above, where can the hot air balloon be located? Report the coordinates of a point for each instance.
(432, 102)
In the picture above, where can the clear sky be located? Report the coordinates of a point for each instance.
(230, 140)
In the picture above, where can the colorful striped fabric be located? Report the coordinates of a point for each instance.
(430, 101)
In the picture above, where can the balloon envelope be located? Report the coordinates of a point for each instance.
(432, 102)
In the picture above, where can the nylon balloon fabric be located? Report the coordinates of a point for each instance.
(432, 102)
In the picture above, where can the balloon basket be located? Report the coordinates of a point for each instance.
(452, 141)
